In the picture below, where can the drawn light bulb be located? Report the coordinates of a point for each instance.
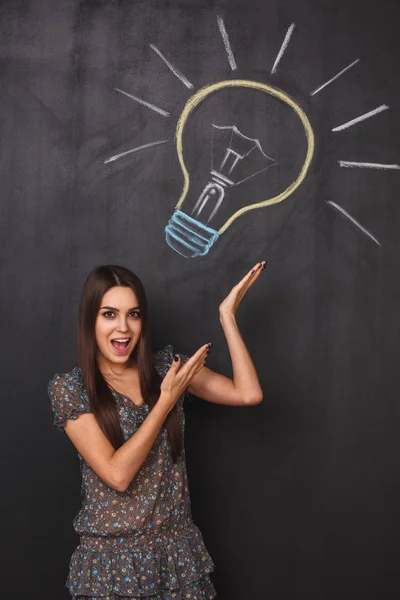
(235, 159)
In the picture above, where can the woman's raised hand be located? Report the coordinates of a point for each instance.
(235, 296)
(179, 376)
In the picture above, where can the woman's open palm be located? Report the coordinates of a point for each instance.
(235, 296)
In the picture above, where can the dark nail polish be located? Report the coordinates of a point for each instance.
(253, 271)
(176, 357)
(209, 345)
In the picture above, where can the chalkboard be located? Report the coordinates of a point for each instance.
(110, 114)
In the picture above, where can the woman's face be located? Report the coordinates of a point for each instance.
(118, 319)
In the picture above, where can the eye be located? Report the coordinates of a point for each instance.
(136, 313)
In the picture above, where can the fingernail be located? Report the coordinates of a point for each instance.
(264, 265)
(253, 271)
(209, 345)
(176, 357)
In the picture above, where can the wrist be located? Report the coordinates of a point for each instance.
(165, 397)
(227, 316)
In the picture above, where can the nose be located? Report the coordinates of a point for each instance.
(122, 324)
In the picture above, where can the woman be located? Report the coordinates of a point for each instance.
(122, 408)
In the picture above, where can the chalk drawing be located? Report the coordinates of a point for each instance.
(224, 175)
(254, 145)
(367, 115)
(175, 71)
(192, 237)
(321, 87)
(283, 48)
(367, 165)
(227, 45)
(158, 110)
(189, 231)
(117, 156)
(353, 220)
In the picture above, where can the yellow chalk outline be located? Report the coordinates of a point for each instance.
(209, 89)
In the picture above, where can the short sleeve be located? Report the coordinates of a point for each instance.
(68, 398)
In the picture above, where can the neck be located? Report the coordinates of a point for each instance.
(111, 370)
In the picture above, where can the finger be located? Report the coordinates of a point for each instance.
(197, 358)
(254, 274)
(200, 366)
(247, 277)
(201, 352)
(176, 362)
(248, 282)
(258, 268)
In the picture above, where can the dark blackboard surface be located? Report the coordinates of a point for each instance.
(297, 497)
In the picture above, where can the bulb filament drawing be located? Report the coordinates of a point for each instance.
(223, 176)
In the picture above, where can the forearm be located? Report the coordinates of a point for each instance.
(127, 460)
(245, 378)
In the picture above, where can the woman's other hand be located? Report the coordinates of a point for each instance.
(179, 376)
(230, 304)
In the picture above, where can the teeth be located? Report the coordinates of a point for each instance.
(123, 340)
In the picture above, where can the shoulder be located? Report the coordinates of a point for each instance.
(67, 381)
(68, 396)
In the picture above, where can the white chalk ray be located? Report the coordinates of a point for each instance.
(283, 47)
(175, 71)
(158, 110)
(227, 44)
(353, 220)
(367, 165)
(321, 87)
(367, 115)
(117, 156)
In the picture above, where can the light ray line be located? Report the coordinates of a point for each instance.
(283, 47)
(175, 71)
(227, 45)
(321, 87)
(361, 117)
(353, 220)
(367, 165)
(160, 111)
(117, 156)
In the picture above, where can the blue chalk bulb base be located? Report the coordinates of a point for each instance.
(189, 237)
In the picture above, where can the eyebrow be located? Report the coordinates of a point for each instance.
(117, 309)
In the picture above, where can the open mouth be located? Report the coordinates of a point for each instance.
(120, 345)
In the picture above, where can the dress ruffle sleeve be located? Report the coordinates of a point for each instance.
(68, 398)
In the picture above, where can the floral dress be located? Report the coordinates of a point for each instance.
(140, 543)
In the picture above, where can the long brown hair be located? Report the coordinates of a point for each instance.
(102, 402)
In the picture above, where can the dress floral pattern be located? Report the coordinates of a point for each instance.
(140, 543)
